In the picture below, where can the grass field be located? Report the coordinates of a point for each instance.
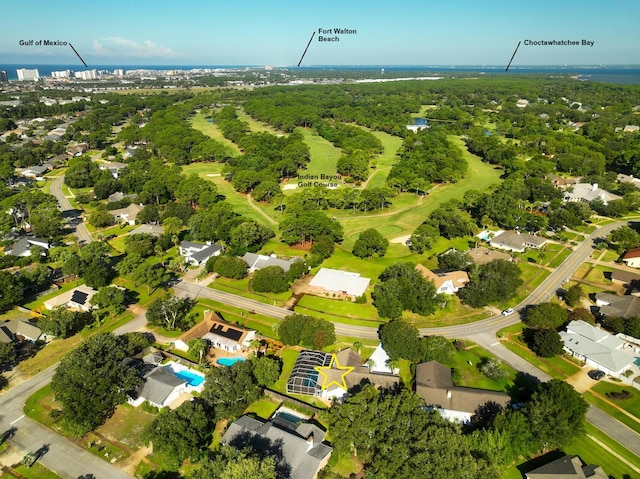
(470, 375)
(257, 126)
(386, 160)
(324, 156)
(199, 122)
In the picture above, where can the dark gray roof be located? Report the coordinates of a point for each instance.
(435, 386)
(79, 297)
(567, 467)
(206, 253)
(25, 243)
(302, 448)
(619, 306)
(158, 384)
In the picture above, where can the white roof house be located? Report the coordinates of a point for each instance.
(516, 241)
(256, 262)
(341, 283)
(198, 253)
(77, 298)
(597, 348)
(587, 193)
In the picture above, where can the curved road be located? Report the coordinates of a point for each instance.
(69, 213)
(63, 457)
(481, 332)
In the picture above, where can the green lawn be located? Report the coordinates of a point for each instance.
(386, 160)
(470, 374)
(241, 288)
(340, 310)
(126, 425)
(37, 471)
(288, 356)
(199, 122)
(631, 405)
(263, 408)
(257, 126)
(324, 156)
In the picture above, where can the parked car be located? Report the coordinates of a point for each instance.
(596, 374)
(507, 312)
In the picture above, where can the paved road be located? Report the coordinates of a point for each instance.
(69, 213)
(194, 290)
(63, 457)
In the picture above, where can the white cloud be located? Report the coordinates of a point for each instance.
(118, 46)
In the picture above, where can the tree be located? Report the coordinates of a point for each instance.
(546, 316)
(91, 381)
(198, 347)
(402, 287)
(271, 279)
(232, 463)
(141, 244)
(10, 290)
(309, 331)
(62, 322)
(7, 354)
(109, 301)
(172, 227)
(582, 314)
(231, 267)
(424, 237)
(171, 313)
(229, 390)
(625, 238)
(493, 282)
(454, 260)
(101, 217)
(493, 369)
(370, 242)
(573, 295)
(181, 433)
(153, 275)
(266, 370)
(401, 340)
(546, 343)
(437, 348)
(297, 270)
(556, 414)
(323, 246)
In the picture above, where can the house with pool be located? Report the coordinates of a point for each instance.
(219, 334)
(163, 384)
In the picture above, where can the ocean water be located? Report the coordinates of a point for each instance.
(609, 74)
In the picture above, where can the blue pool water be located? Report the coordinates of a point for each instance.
(637, 362)
(229, 361)
(191, 378)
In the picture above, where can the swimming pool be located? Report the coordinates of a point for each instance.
(289, 417)
(229, 361)
(191, 378)
(637, 362)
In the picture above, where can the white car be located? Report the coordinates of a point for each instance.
(507, 312)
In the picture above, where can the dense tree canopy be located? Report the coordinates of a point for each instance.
(309, 331)
(402, 287)
(490, 283)
(370, 242)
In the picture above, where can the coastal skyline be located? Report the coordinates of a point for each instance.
(252, 33)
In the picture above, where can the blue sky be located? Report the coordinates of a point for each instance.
(254, 32)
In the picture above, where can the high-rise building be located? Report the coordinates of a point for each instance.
(87, 75)
(25, 74)
(3, 76)
(61, 74)
(118, 72)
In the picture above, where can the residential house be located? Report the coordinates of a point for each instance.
(631, 128)
(198, 253)
(256, 262)
(435, 386)
(218, 333)
(567, 467)
(128, 214)
(113, 167)
(447, 283)
(119, 196)
(516, 241)
(332, 376)
(78, 150)
(522, 103)
(159, 385)
(338, 284)
(587, 193)
(613, 305)
(78, 298)
(36, 172)
(18, 330)
(597, 348)
(23, 246)
(632, 258)
(622, 178)
(299, 449)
